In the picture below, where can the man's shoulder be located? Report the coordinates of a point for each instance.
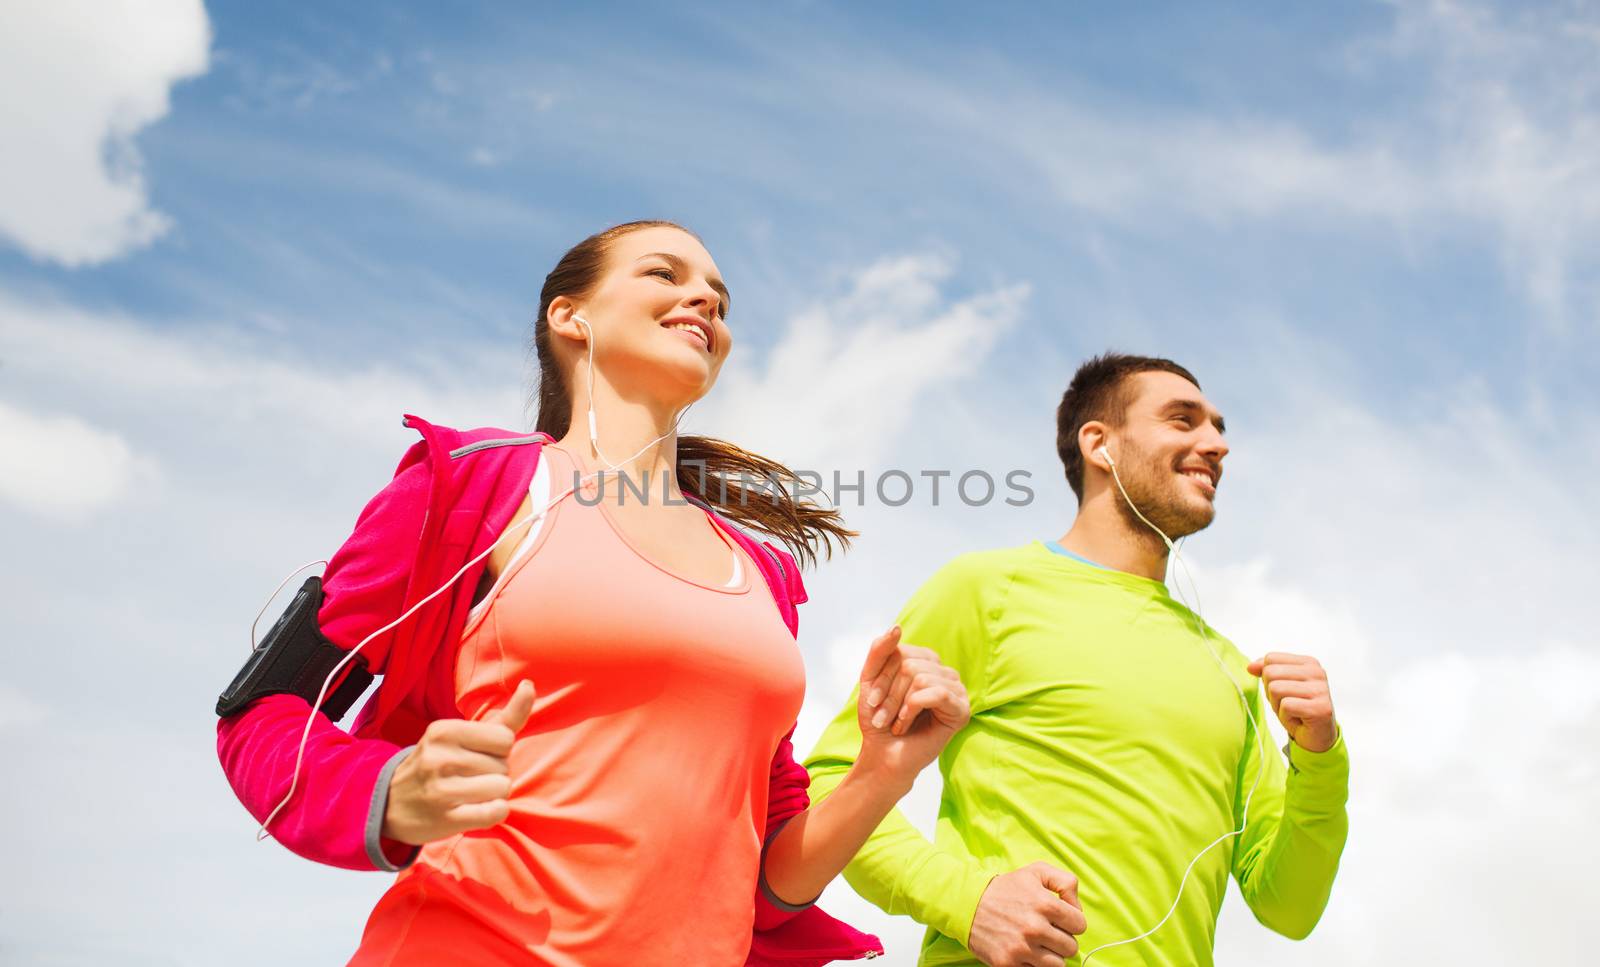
(978, 567)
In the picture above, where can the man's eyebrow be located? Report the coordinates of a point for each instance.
(1195, 406)
(679, 265)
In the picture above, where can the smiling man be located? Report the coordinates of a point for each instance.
(1115, 738)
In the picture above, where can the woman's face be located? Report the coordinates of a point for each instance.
(658, 316)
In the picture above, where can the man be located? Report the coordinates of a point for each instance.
(1107, 749)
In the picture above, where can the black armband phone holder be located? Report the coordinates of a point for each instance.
(294, 658)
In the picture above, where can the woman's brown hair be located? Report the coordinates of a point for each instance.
(715, 471)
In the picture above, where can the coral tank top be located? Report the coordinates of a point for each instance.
(639, 790)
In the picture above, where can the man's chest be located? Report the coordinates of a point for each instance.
(1111, 690)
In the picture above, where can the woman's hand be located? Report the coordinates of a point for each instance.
(458, 777)
(910, 705)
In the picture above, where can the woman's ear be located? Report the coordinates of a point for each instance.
(561, 317)
(1091, 441)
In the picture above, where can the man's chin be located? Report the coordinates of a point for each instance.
(1192, 518)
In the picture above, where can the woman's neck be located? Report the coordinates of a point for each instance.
(616, 453)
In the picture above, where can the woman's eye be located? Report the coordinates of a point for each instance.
(663, 273)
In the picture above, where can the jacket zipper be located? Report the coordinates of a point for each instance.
(519, 441)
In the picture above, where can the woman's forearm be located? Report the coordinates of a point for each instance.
(815, 845)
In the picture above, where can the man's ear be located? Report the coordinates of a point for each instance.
(1091, 437)
(560, 317)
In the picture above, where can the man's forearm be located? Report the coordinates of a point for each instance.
(1286, 880)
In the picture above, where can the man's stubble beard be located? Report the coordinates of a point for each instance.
(1153, 488)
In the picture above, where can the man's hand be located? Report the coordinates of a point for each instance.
(457, 778)
(1028, 918)
(909, 706)
(1298, 689)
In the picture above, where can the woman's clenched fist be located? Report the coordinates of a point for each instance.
(458, 776)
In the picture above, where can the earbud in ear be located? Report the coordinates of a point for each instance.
(1107, 454)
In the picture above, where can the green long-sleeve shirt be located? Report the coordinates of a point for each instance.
(1104, 740)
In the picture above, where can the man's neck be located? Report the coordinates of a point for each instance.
(1106, 537)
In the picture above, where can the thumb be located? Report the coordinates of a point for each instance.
(515, 715)
(1255, 667)
(1059, 882)
(883, 648)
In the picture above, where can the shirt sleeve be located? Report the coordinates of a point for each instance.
(786, 799)
(335, 814)
(329, 819)
(898, 869)
(1287, 857)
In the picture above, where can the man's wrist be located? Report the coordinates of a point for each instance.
(1303, 760)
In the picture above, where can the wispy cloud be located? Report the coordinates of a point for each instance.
(209, 378)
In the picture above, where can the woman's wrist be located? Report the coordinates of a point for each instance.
(874, 781)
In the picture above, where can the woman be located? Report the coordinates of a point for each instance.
(601, 706)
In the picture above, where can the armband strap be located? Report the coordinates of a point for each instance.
(294, 658)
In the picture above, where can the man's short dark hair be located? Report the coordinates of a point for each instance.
(1099, 391)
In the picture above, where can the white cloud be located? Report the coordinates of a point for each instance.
(61, 466)
(80, 79)
(1471, 788)
(846, 376)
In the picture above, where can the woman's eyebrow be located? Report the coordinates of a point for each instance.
(679, 265)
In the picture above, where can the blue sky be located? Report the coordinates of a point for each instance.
(237, 242)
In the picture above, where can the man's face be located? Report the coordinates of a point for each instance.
(1169, 453)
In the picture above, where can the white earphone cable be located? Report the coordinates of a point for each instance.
(322, 694)
(594, 431)
(1205, 639)
(265, 604)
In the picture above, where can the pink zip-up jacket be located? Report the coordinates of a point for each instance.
(453, 494)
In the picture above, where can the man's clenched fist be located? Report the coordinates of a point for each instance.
(1028, 918)
(1297, 687)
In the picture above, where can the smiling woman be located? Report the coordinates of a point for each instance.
(582, 754)
(657, 261)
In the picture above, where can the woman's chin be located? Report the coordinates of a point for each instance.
(679, 385)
